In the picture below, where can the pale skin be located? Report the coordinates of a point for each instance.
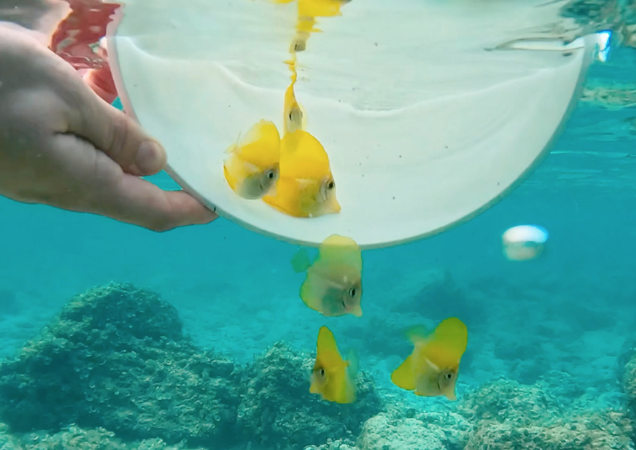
(61, 145)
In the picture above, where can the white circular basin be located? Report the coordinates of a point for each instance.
(430, 112)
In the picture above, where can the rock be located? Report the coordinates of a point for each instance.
(506, 400)
(75, 438)
(116, 358)
(592, 431)
(509, 416)
(278, 411)
(382, 433)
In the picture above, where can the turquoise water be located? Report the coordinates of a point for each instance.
(549, 340)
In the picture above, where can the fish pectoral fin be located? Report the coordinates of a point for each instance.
(417, 334)
(404, 375)
(231, 149)
(352, 364)
(300, 261)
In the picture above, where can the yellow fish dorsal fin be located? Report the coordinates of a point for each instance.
(341, 249)
(447, 344)
(303, 157)
(260, 145)
(328, 355)
(404, 375)
(301, 262)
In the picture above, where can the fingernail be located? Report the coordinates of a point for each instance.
(151, 157)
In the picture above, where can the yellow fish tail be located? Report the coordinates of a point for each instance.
(404, 375)
(301, 262)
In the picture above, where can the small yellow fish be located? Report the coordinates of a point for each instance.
(306, 187)
(294, 116)
(333, 377)
(333, 285)
(252, 168)
(432, 369)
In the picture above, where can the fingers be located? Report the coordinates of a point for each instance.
(141, 203)
(89, 181)
(117, 135)
(84, 114)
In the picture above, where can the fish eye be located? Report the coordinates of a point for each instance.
(291, 115)
(352, 292)
(271, 175)
(331, 184)
(322, 372)
(449, 376)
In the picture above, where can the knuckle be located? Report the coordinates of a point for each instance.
(118, 135)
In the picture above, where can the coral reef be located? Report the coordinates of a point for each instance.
(627, 375)
(114, 371)
(629, 380)
(422, 431)
(590, 431)
(8, 441)
(598, 15)
(610, 95)
(75, 438)
(509, 416)
(116, 358)
(278, 411)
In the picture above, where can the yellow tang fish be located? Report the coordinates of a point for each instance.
(431, 370)
(306, 187)
(333, 377)
(294, 117)
(252, 168)
(333, 286)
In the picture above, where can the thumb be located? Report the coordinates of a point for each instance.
(116, 134)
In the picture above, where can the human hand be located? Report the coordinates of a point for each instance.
(63, 146)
